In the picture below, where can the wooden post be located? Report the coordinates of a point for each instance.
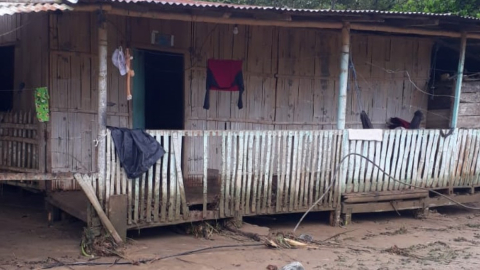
(102, 103)
(343, 80)
(458, 85)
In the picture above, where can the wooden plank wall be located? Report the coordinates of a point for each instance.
(291, 81)
(27, 32)
(22, 138)
(422, 158)
(469, 109)
(73, 91)
(290, 75)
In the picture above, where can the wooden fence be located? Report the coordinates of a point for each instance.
(425, 158)
(252, 173)
(19, 142)
(21, 148)
(272, 172)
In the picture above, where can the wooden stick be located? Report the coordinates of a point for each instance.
(130, 73)
(96, 204)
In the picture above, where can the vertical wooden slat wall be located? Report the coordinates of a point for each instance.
(251, 183)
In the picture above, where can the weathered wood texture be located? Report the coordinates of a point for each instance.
(21, 148)
(73, 86)
(19, 142)
(261, 172)
(290, 78)
(28, 33)
(272, 172)
(422, 158)
(469, 109)
(438, 119)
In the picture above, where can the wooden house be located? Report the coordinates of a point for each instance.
(308, 75)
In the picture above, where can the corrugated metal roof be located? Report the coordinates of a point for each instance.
(7, 8)
(204, 4)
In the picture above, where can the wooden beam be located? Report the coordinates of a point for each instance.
(87, 188)
(102, 102)
(18, 139)
(470, 97)
(208, 19)
(35, 176)
(458, 85)
(292, 24)
(343, 78)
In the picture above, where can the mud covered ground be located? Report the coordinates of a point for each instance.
(448, 239)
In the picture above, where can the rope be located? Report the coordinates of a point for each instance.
(385, 173)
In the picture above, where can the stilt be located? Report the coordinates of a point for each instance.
(54, 213)
(347, 217)
(238, 219)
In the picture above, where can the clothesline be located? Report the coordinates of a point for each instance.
(18, 90)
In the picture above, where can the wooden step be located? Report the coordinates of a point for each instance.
(379, 196)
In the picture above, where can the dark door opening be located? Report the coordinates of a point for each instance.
(7, 56)
(164, 90)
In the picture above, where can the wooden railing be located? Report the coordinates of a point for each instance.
(20, 140)
(424, 158)
(248, 172)
(270, 172)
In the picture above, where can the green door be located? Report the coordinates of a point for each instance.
(138, 90)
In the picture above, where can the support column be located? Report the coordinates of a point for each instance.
(93, 222)
(341, 115)
(343, 80)
(102, 103)
(458, 85)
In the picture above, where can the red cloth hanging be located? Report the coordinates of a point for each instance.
(224, 75)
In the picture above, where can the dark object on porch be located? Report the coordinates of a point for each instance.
(136, 149)
(366, 123)
(417, 119)
(224, 75)
(396, 122)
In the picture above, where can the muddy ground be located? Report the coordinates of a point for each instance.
(448, 239)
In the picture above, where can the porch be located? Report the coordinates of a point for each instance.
(274, 172)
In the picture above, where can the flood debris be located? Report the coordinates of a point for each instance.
(293, 266)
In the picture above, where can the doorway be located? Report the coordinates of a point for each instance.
(158, 98)
(7, 54)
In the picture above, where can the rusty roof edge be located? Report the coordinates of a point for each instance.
(11, 8)
(204, 4)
